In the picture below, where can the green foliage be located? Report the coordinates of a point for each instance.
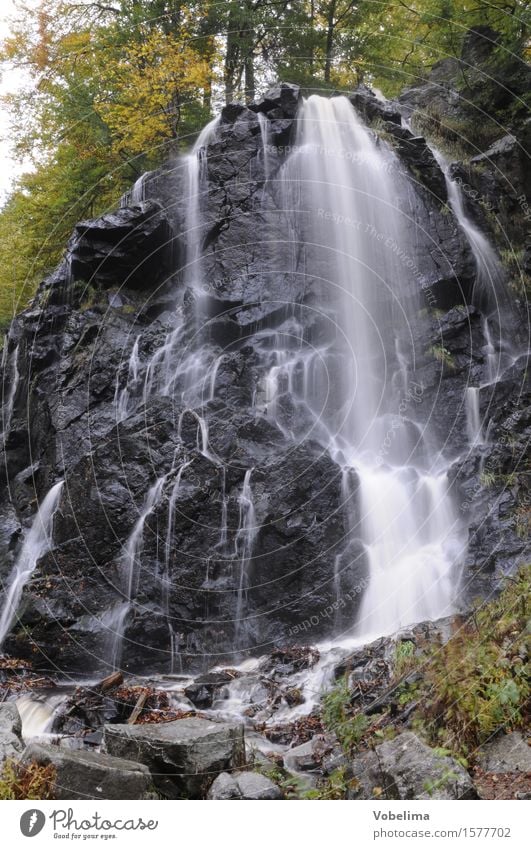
(404, 658)
(337, 716)
(335, 786)
(443, 355)
(479, 679)
(487, 478)
(31, 781)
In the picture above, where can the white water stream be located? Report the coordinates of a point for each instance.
(38, 541)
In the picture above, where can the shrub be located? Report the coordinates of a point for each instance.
(479, 679)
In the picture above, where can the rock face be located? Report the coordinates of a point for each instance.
(405, 768)
(10, 732)
(101, 367)
(183, 755)
(87, 775)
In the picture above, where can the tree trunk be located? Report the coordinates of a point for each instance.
(249, 79)
(330, 40)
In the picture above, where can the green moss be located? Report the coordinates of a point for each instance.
(443, 355)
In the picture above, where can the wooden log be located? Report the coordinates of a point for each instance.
(110, 682)
(137, 710)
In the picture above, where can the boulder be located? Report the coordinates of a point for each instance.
(505, 753)
(308, 757)
(283, 97)
(372, 108)
(130, 246)
(206, 688)
(409, 769)
(244, 785)
(10, 732)
(90, 775)
(182, 755)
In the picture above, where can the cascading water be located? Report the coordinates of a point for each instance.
(9, 398)
(473, 417)
(243, 548)
(36, 544)
(341, 182)
(129, 567)
(123, 397)
(168, 370)
(490, 289)
(166, 577)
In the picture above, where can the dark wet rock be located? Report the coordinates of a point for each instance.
(208, 687)
(287, 661)
(131, 246)
(505, 753)
(244, 785)
(283, 97)
(182, 755)
(371, 108)
(10, 732)
(91, 775)
(418, 158)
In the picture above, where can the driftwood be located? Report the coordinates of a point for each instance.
(137, 710)
(115, 679)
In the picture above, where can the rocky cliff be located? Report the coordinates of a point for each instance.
(76, 364)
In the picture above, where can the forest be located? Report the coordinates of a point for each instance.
(112, 89)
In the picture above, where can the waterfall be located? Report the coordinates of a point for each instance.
(169, 370)
(473, 418)
(243, 548)
(129, 570)
(490, 290)
(166, 577)
(195, 173)
(346, 193)
(37, 543)
(9, 400)
(122, 398)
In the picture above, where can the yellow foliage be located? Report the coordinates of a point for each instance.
(150, 83)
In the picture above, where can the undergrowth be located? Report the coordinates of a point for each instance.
(29, 781)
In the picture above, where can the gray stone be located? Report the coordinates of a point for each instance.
(91, 775)
(244, 785)
(505, 753)
(183, 755)
(224, 787)
(10, 731)
(411, 770)
(253, 785)
(308, 756)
